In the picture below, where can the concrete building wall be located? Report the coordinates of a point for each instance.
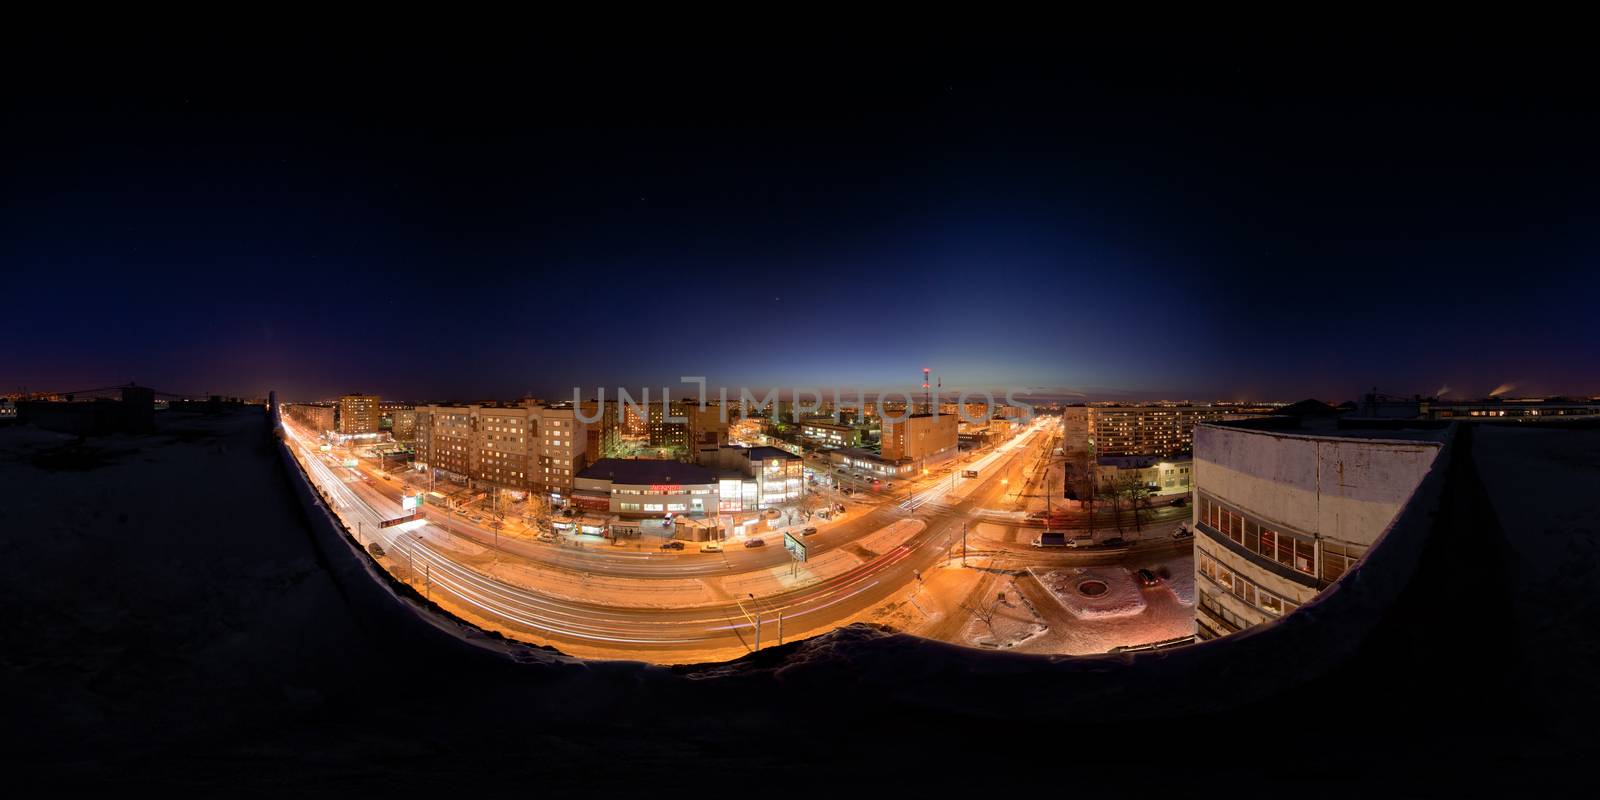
(1343, 487)
(920, 438)
(1322, 499)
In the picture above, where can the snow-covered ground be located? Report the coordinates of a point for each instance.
(891, 536)
(1011, 622)
(1121, 598)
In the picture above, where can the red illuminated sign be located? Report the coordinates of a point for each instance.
(664, 487)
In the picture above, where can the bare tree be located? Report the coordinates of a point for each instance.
(810, 502)
(1110, 491)
(1138, 495)
(984, 613)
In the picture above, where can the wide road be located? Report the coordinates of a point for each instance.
(654, 633)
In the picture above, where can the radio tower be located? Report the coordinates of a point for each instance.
(927, 399)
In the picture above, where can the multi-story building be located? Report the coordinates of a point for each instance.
(400, 419)
(1161, 430)
(524, 447)
(923, 439)
(1075, 429)
(1159, 476)
(358, 413)
(662, 431)
(605, 432)
(707, 429)
(827, 433)
(1284, 506)
(736, 481)
(646, 487)
(318, 417)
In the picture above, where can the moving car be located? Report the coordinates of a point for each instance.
(807, 531)
(376, 550)
(672, 545)
(1146, 577)
(969, 473)
(711, 547)
(755, 543)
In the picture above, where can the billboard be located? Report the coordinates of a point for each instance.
(795, 545)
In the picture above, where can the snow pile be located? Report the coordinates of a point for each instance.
(892, 536)
(1121, 598)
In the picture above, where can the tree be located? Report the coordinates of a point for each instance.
(985, 613)
(1105, 491)
(1138, 494)
(810, 502)
(538, 511)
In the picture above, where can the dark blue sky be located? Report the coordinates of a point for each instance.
(1214, 219)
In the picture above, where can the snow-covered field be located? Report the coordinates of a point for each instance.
(1013, 622)
(1122, 597)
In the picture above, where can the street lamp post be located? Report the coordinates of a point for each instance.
(757, 607)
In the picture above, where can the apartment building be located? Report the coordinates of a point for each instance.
(400, 419)
(1160, 430)
(662, 431)
(358, 413)
(317, 417)
(523, 447)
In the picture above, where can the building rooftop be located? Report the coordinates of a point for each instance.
(763, 453)
(1324, 427)
(647, 471)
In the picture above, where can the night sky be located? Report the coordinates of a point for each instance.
(1155, 217)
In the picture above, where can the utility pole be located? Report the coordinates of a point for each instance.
(964, 545)
(757, 607)
(780, 628)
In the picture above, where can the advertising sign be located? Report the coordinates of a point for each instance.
(795, 545)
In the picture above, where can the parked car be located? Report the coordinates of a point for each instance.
(672, 545)
(1080, 541)
(755, 543)
(838, 508)
(1115, 541)
(1179, 502)
(771, 513)
(711, 547)
(376, 550)
(1146, 577)
(1050, 539)
(546, 537)
(1182, 533)
(807, 531)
